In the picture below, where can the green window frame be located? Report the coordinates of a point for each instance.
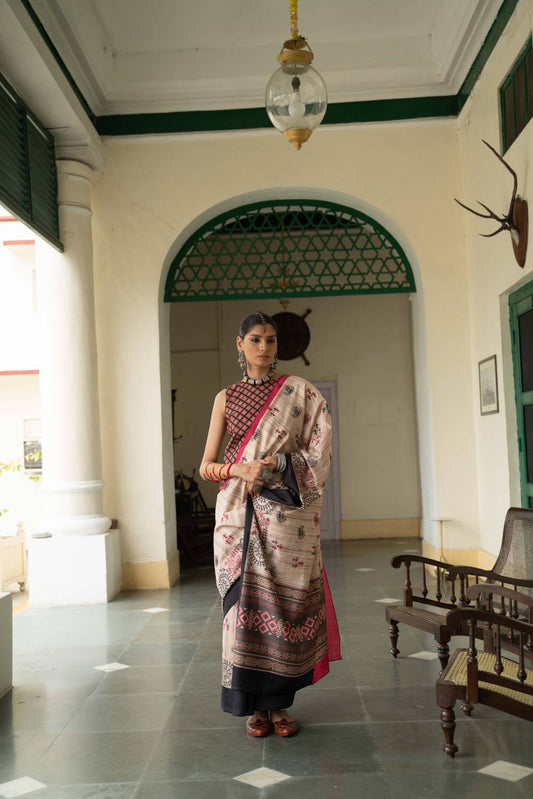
(520, 303)
(28, 175)
(516, 97)
(290, 248)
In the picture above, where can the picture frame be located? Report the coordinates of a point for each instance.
(488, 386)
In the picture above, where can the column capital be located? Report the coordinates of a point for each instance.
(74, 185)
(67, 166)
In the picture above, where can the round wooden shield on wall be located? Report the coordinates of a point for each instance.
(293, 335)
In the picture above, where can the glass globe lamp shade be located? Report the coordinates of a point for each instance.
(296, 99)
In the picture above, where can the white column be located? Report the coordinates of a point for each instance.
(72, 471)
(76, 557)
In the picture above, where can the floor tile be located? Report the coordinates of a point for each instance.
(113, 713)
(503, 770)
(97, 791)
(328, 706)
(19, 753)
(337, 786)
(163, 634)
(155, 610)
(197, 789)
(451, 783)
(510, 739)
(20, 787)
(200, 710)
(59, 681)
(144, 680)
(203, 676)
(262, 777)
(111, 667)
(424, 655)
(416, 746)
(321, 750)
(38, 713)
(149, 655)
(204, 754)
(98, 757)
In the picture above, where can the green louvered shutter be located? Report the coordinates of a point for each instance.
(28, 177)
(14, 189)
(43, 178)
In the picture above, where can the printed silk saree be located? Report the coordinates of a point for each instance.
(279, 629)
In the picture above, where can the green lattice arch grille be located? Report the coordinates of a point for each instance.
(296, 248)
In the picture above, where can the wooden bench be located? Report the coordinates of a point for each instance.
(426, 599)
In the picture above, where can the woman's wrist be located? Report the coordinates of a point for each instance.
(281, 462)
(216, 472)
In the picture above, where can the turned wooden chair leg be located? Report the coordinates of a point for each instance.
(394, 633)
(444, 655)
(467, 708)
(447, 722)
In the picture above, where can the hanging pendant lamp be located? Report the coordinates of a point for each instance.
(296, 96)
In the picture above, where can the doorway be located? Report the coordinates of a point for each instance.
(521, 319)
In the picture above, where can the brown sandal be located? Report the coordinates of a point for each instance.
(285, 728)
(258, 728)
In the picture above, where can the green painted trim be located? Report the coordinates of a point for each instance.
(269, 293)
(286, 294)
(491, 40)
(248, 118)
(59, 61)
(182, 122)
(520, 301)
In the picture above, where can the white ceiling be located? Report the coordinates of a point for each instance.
(141, 56)
(138, 56)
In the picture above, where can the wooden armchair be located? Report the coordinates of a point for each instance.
(424, 606)
(486, 677)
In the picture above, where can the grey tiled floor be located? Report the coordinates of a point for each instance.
(154, 731)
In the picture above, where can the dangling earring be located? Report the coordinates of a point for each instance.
(242, 363)
(274, 362)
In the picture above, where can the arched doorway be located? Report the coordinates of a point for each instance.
(272, 249)
(283, 249)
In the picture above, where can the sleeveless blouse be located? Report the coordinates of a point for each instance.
(243, 403)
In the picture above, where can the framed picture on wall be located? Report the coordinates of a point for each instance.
(488, 386)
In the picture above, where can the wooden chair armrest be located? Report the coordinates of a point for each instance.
(455, 572)
(407, 559)
(456, 618)
(480, 589)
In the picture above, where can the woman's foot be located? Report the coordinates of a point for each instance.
(259, 725)
(284, 724)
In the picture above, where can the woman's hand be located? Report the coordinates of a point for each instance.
(251, 472)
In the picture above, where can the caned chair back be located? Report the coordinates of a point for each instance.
(516, 554)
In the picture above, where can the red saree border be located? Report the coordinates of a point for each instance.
(273, 393)
(334, 643)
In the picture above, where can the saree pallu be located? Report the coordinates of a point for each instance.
(279, 628)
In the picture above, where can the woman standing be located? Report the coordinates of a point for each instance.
(279, 629)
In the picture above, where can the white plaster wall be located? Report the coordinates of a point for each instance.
(19, 400)
(19, 321)
(494, 273)
(153, 194)
(362, 343)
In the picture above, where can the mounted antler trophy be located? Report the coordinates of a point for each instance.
(516, 220)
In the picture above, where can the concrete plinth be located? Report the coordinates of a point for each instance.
(74, 570)
(6, 643)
